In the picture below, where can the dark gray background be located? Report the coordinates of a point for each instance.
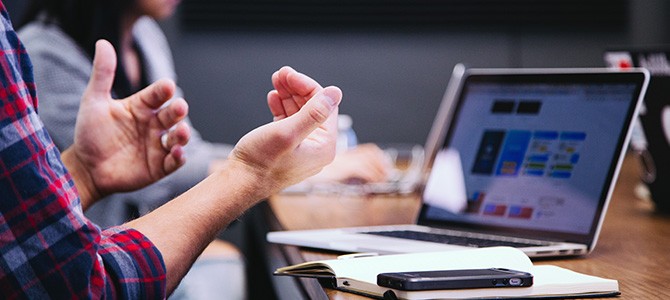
(393, 80)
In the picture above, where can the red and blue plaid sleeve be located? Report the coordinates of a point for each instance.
(48, 248)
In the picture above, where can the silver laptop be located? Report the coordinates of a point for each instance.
(518, 157)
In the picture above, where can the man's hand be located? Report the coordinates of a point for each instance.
(265, 160)
(300, 141)
(117, 143)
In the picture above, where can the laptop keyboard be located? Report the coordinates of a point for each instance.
(453, 239)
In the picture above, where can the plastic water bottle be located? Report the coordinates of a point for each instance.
(346, 138)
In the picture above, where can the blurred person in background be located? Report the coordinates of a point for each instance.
(60, 37)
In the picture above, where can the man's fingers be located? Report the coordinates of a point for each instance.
(177, 136)
(102, 75)
(290, 106)
(153, 96)
(292, 91)
(173, 143)
(173, 113)
(302, 85)
(279, 82)
(175, 159)
(276, 108)
(290, 82)
(284, 93)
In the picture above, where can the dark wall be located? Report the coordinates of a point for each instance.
(392, 79)
(392, 82)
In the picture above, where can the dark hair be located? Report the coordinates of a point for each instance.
(86, 21)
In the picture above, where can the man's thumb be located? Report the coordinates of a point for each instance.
(104, 66)
(316, 112)
(320, 108)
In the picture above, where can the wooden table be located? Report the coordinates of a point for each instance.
(634, 244)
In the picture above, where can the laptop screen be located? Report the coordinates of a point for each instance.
(535, 154)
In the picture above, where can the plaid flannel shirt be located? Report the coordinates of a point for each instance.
(49, 249)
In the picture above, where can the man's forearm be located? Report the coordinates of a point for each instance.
(183, 227)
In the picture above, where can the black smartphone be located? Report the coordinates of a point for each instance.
(455, 279)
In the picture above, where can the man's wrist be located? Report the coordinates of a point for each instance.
(248, 181)
(81, 176)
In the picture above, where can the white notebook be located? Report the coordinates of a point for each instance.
(359, 275)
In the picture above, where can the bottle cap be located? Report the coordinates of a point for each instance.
(344, 122)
